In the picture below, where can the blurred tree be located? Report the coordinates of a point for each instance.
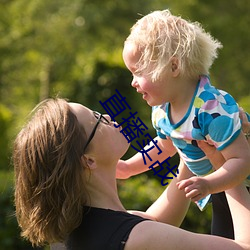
(5, 123)
(244, 102)
(228, 22)
(72, 48)
(58, 45)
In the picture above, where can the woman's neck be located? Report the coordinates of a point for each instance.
(102, 189)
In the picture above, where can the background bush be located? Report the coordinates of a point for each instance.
(73, 48)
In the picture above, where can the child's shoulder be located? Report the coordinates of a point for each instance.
(207, 93)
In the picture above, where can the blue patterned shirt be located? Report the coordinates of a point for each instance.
(213, 115)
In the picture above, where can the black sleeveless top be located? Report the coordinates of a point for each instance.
(102, 229)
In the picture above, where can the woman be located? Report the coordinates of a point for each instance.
(65, 189)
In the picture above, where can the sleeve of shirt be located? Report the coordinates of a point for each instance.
(219, 120)
(158, 121)
(162, 136)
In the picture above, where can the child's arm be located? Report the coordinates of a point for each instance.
(135, 165)
(233, 172)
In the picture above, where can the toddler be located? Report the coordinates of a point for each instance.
(170, 59)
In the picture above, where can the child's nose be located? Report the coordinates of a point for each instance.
(134, 83)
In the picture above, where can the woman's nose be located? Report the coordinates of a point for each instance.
(108, 117)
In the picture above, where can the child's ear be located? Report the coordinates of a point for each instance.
(175, 66)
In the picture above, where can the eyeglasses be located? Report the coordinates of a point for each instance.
(100, 118)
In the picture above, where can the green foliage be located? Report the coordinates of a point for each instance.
(228, 22)
(139, 192)
(245, 103)
(197, 221)
(73, 48)
(9, 231)
(5, 124)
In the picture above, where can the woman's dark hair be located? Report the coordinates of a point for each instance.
(49, 179)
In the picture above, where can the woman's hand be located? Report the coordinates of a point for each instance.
(245, 124)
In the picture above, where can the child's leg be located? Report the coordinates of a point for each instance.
(222, 224)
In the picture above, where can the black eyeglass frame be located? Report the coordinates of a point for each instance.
(100, 118)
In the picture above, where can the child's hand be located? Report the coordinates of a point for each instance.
(194, 187)
(122, 170)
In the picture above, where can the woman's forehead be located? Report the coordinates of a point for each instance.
(83, 114)
(78, 108)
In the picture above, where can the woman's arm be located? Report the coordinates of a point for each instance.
(159, 236)
(239, 203)
(171, 207)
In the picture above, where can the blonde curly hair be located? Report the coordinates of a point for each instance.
(161, 36)
(49, 180)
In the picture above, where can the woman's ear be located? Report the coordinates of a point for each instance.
(90, 161)
(175, 66)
